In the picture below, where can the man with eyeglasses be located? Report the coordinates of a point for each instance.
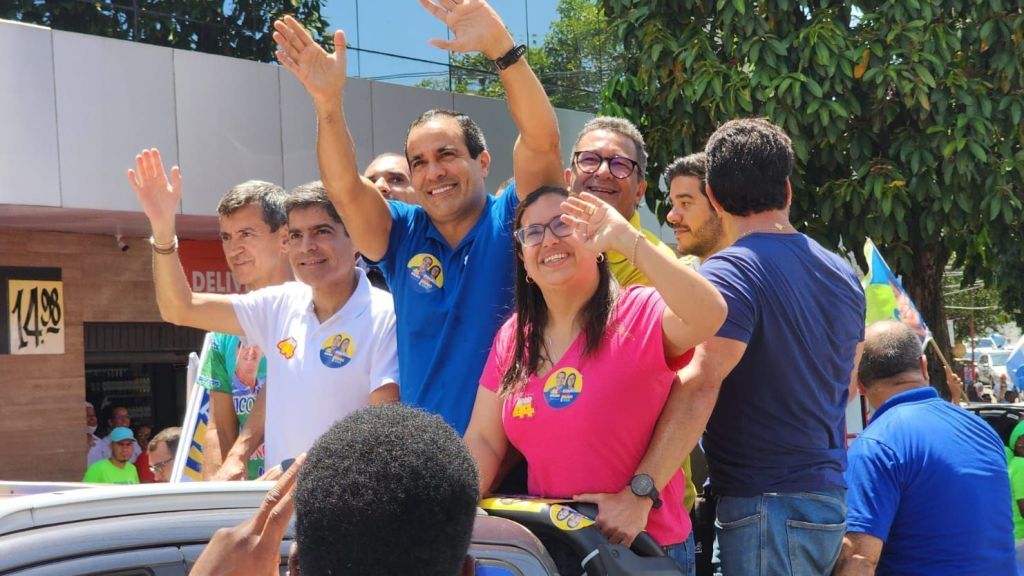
(119, 418)
(609, 160)
(162, 449)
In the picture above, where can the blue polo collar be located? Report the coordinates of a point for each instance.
(915, 395)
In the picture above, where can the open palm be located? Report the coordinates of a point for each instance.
(322, 74)
(597, 226)
(159, 196)
(475, 27)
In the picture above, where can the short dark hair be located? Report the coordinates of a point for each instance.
(694, 165)
(168, 435)
(618, 126)
(748, 164)
(471, 133)
(270, 198)
(311, 195)
(890, 348)
(388, 490)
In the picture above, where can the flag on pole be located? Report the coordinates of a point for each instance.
(1015, 364)
(188, 460)
(886, 298)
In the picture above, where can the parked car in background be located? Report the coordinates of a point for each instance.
(992, 365)
(1001, 417)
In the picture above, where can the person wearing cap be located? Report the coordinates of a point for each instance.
(118, 469)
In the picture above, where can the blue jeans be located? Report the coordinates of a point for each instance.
(798, 533)
(683, 554)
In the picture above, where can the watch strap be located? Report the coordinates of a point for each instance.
(510, 57)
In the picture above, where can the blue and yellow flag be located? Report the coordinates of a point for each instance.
(886, 298)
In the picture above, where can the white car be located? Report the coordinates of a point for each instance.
(992, 365)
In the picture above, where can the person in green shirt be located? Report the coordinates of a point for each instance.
(118, 469)
(1016, 468)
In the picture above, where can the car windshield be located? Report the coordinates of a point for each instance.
(999, 358)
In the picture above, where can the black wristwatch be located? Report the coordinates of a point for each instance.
(643, 485)
(510, 57)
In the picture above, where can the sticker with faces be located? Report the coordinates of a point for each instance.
(563, 388)
(425, 273)
(337, 350)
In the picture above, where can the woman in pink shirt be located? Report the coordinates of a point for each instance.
(577, 378)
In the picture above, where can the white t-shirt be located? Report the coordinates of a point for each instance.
(317, 373)
(100, 450)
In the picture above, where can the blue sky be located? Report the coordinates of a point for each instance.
(403, 27)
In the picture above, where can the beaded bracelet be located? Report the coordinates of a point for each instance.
(636, 244)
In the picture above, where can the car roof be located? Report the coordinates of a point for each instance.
(79, 520)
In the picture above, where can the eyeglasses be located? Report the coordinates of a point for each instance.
(156, 468)
(618, 166)
(533, 234)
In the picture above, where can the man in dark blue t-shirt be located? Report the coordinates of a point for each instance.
(779, 368)
(927, 479)
(449, 261)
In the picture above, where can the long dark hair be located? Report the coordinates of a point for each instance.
(532, 312)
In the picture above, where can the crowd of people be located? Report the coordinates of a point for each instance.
(573, 352)
(119, 457)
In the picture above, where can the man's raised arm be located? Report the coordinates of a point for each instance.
(476, 27)
(365, 212)
(178, 304)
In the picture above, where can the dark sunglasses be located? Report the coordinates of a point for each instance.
(590, 162)
(533, 234)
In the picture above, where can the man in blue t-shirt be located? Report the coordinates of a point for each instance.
(769, 391)
(448, 262)
(927, 479)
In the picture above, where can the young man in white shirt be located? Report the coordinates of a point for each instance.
(295, 323)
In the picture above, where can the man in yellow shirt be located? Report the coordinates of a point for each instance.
(609, 160)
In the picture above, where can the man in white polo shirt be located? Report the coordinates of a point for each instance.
(329, 340)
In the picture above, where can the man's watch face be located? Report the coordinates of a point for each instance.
(642, 484)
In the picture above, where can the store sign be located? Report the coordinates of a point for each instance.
(205, 267)
(34, 318)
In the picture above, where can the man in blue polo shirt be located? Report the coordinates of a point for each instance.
(926, 478)
(448, 262)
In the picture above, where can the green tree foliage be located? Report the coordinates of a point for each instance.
(237, 29)
(977, 303)
(905, 115)
(577, 58)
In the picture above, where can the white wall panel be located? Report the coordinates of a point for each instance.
(500, 131)
(229, 126)
(29, 168)
(395, 107)
(298, 127)
(298, 132)
(114, 98)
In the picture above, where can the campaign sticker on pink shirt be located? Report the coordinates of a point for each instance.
(563, 388)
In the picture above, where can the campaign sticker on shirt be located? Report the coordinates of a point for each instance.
(563, 387)
(523, 408)
(337, 351)
(425, 273)
(568, 519)
(287, 347)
